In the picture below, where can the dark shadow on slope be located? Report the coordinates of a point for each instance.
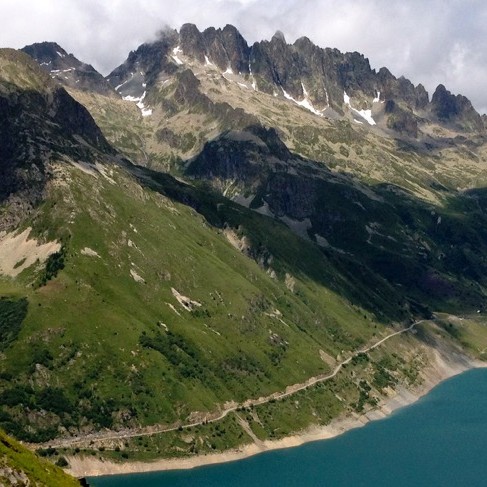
(35, 128)
(388, 245)
(290, 253)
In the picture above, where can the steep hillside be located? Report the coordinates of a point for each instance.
(19, 467)
(128, 287)
(40, 122)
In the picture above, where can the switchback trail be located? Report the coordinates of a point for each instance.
(89, 439)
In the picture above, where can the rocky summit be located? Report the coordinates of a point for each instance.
(66, 69)
(220, 244)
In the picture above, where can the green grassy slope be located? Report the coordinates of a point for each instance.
(106, 343)
(19, 466)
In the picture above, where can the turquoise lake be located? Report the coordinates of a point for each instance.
(441, 440)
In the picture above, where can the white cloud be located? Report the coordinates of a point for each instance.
(439, 41)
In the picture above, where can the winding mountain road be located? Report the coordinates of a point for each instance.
(89, 439)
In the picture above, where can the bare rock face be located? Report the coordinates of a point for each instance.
(402, 90)
(277, 67)
(225, 48)
(144, 65)
(457, 110)
(401, 120)
(243, 156)
(192, 42)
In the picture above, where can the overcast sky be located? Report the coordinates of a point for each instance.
(428, 41)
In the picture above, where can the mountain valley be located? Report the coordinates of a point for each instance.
(193, 244)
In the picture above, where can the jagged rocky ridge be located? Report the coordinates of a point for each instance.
(331, 83)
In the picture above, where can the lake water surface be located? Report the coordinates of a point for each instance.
(441, 440)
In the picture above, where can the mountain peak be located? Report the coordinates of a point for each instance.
(67, 69)
(45, 51)
(315, 78)
(279, 36)
(455, 109)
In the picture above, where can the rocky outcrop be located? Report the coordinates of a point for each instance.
(225, 48)
(150, 61)
(244, 158)
(402, 90)
(455, 109)
(67, 69)
(401, 120)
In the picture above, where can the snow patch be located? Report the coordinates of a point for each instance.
(229, 70)
(125, 82)
(327, 97)
(177, 50)
(140, 104)
(60, 54)
(365, 114)
(254, 83)
(146, 112)
(377, 98)
(305, 103)
(208, 62)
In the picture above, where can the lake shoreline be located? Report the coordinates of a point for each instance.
(442, 368)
